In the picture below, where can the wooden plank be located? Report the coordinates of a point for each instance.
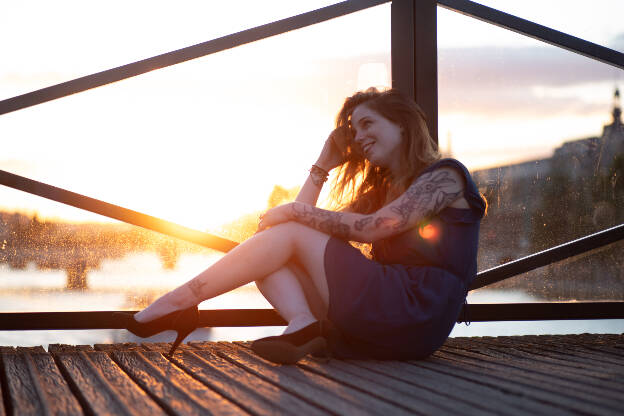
(37, 350)
(582, 356)
(581, 387)
(124, 346)
(59, 348)
(36, 386)
(525, 381)
(579, 363)
(537, 375)
(103, 388)
(569, 351)
(609, 347)
(164, 347)
(172, 388)
(247, 390)
(489, 379)
(417, 398)
(24, 393)
(420, 399)
(457, 388)
(593, 354)
(537, 356)
(613, 352)
(598, 376)
(499, 381)
(332, 396)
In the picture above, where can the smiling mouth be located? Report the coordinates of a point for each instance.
(366, 148)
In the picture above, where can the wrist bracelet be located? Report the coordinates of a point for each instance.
(323, 171)
(319, 175)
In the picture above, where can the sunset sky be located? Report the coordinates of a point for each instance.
(204, 142)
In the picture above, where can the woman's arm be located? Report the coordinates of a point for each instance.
(428, 195)
(331, 156)
(311, 189)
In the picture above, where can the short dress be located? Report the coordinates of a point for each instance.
(404, 302)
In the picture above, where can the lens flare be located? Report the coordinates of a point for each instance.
(428, 231)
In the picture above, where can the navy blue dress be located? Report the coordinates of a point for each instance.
(404, 303)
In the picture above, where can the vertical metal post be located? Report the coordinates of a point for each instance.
(402, 48)
(415, 56)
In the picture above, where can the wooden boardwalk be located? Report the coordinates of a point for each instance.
(526, 375)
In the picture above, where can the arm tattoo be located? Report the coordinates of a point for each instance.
(374, 221)
(425, 197)
(322, 220)
(360, 224)
(197, 287)
(383, 221)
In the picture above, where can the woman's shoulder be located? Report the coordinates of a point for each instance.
(453, 167)
(471, 191)
(446, 163)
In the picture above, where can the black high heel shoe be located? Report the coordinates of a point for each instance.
(183, 322)
(290, 348)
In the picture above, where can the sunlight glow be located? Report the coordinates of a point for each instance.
(428, 231)
(203, 143)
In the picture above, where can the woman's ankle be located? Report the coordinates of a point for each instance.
(299, 322)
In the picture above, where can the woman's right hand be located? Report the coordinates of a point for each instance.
(336, 149)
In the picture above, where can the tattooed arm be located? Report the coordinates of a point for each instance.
(428, 195)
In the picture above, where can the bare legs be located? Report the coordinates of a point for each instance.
(261, 256)
(293, 294)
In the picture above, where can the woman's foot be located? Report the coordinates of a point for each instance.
(182, 321)
(178, 299)
(291, 347)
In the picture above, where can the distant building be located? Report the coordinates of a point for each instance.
(541, 203)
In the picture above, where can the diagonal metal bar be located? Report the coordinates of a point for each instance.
(185, 54)
(114, 211)
(536, 31)
(546, 257)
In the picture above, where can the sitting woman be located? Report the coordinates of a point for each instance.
(420, 213)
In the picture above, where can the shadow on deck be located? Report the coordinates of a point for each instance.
(565, 374)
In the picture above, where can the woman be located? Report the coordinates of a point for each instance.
(421, 215)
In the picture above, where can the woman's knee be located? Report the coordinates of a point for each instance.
(290, 228)
(301, 235)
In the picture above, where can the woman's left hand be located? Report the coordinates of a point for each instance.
(275, 216)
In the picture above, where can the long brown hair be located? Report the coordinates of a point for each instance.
(361, 187)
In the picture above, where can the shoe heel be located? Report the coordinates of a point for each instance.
(179, 338)
(185, 322)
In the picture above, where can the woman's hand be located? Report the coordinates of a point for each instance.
(336, 149)
(275, 216)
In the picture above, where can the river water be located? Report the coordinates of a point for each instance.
(136, 280)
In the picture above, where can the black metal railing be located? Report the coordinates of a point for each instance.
(536, 31)
(414, 71)
(185, 54)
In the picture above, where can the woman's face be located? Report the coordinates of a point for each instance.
(378, 138)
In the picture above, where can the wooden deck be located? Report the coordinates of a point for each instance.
(526, 375)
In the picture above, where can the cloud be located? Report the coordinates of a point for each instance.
(538, 81)
(520, 67)
(617, 43)
(500, 81)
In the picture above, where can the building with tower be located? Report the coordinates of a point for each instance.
(541, 203)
